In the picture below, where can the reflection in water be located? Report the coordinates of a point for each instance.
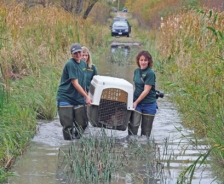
(119, 63)
(117, 48)
(119, 54)
(123, 54)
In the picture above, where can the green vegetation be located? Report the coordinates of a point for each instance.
(149, 13)
(34, 45)
(187, 44)
(99, 159)
(188, 47)
(191, 49)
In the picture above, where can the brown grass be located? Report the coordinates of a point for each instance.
(36, 37)
(213, 4)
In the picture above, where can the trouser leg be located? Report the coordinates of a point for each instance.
(66, 120)
(135, 122)
(147, 121)
(80, 120)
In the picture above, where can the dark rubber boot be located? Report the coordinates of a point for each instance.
(147, 121)
(132, 130)
(80, 120)
(135, 121)
(66, 120)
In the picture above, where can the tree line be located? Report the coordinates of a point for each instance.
(76, 7)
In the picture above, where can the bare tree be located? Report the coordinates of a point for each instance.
(79, 6)
(68, 5)
(72, 5)
(89, 8)
(30, 3)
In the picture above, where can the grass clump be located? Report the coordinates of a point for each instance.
(17, 128)
(101, 160)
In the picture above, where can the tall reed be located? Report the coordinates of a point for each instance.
(43, 46)
(191, 48)
(2, 96)
(98, 159)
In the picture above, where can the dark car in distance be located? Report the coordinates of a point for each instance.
(120, 28)
(114, 9)
(123, 19)
(124, 10)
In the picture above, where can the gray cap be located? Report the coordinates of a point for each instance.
(75, 48)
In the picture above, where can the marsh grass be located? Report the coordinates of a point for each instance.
(188, 173)
(101, 159)
(41, 50)
(105, 159)
(151, 11)
(17, 128)
(190, 47)
(38, 93)
(34, 47)
(2, 98)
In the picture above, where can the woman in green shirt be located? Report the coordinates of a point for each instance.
(71, 95)
(144, 95)
(91, 69)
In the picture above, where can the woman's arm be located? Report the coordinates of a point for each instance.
(147, 88)
(94, 70)
(79, 88)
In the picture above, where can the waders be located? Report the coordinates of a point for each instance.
(135, 122)
(66, 120)
(80, 120)
(71, 118)
(147, 121)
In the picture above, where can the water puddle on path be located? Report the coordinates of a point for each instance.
(39, 164)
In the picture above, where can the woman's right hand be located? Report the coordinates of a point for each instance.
(88, 101)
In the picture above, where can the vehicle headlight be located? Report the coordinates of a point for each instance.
(126, 30)
(113, 30)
